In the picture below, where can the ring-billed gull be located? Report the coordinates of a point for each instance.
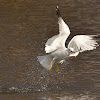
(55, 46)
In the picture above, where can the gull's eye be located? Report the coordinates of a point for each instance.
(72, 51)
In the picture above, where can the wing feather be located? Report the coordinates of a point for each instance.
(59, 40)
(83, 43)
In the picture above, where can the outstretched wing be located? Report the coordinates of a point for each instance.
(59, 40)
(83, 43)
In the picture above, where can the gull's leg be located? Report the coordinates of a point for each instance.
(51, 65)
(57, 67)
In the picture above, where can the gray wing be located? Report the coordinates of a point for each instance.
(50, 41)
(59, 40)
(83, 43)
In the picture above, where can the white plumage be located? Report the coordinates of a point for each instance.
(59, 40)
(82, 43)
(56, 45)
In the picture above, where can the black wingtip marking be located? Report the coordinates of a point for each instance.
(57, 11)
(96, 37)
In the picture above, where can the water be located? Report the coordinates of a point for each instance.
(25, 26)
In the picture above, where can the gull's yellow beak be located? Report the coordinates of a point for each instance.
(74, 54)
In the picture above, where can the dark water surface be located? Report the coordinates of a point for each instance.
(25, 26)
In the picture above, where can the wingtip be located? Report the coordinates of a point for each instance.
(57, 11)
(57, 7)
(97, 36)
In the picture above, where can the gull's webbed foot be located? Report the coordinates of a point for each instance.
(62, 61)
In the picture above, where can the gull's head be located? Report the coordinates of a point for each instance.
(71, 49)
(72, 52)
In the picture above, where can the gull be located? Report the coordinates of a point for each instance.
(56, 49)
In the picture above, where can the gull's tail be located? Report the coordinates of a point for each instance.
(57, 11)
(45, 61)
